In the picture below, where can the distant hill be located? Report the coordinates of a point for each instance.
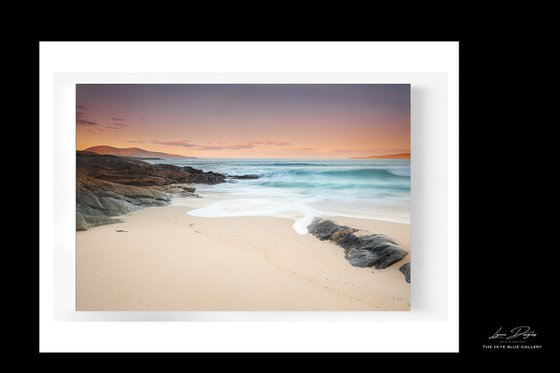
(389, 156)
(130, 152)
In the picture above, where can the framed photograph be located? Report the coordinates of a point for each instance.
(251, 204)
(243, 197)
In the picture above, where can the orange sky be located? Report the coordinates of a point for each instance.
(247, 121)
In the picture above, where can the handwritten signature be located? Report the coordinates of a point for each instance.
(517, 332)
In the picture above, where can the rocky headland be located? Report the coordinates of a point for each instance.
(108, 186)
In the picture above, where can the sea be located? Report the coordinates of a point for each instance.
(302, 189)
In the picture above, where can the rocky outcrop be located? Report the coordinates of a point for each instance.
(405, 270)
(180, 190)
(372, 250)
(200, 177)
(130, 171)
(108, 186)
(244, 177)
(324, 229)
(99, 201)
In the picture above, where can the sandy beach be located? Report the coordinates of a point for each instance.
(161, 259)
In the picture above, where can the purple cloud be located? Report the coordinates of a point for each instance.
(235, 147)
(81, 121)
(80, 112)
(85, 122)
(278, 143)
(94, 130)
(182, 143)
(371, 151)
(185, 144)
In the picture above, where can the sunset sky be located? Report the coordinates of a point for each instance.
(247, 120)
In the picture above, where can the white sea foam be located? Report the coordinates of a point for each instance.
(302, 212)
(285, 208)
(303, 189)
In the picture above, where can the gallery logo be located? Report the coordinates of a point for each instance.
(519, 332)
(516, 338)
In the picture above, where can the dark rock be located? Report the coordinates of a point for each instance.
(130, 171)
(109, 186)
(200, 177)
(405, 269)
(97, 201)
(81, 223)
(342, 235)
(244, 177)
(374, 250)
(178, 189)
(323, 229)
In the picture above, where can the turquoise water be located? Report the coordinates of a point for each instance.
(303, 188)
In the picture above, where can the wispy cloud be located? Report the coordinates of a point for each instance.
(86, 122)
(185, 144)
(81, 121)
(137, 141)
(118, 123)
(94, 130)
(370, 151)
(245, 145)
(117, 126)
(234, 147)
(182, 143)
(278, 143)
(80, 111)
(303, 149)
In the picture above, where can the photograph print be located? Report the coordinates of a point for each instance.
(243, 197)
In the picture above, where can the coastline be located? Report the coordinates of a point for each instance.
(162, 259)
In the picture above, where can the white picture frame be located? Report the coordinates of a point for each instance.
(432, 71)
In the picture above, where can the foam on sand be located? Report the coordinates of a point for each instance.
(301, 210)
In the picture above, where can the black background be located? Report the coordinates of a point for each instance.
(507, 140)
(505, 239)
